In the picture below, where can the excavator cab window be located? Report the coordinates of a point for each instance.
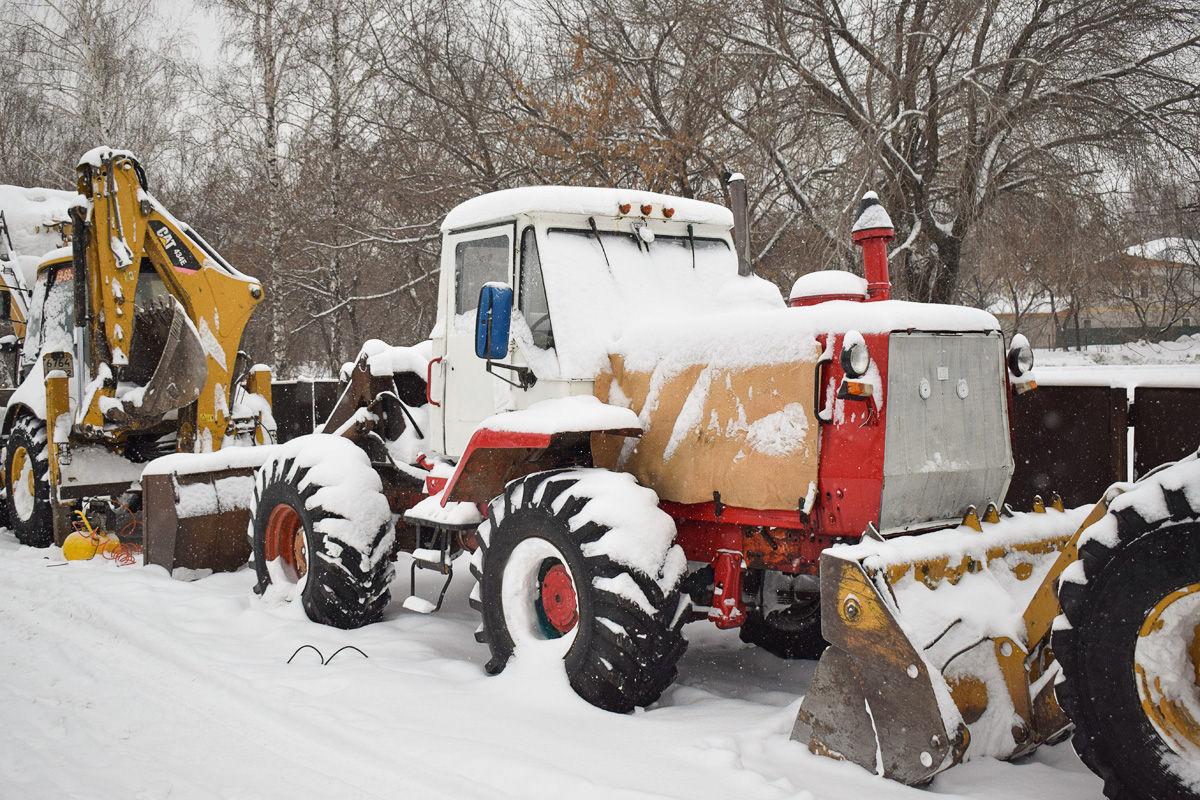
(51, 314)
(533, 304)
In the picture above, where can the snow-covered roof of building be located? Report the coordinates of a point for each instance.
(1171, 248)
(581, 200)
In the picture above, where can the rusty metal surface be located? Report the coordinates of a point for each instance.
(211, 541)
(1067, 439)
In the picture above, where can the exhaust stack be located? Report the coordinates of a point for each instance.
(741, 220)
(872, 231)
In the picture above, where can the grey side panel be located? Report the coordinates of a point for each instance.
(944, 452)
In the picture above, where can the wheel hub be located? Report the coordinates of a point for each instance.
(557, 598)
(284, 540)
(1167, 666)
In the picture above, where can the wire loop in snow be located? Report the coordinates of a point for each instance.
(320, 655)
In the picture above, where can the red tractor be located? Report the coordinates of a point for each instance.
(629, 431)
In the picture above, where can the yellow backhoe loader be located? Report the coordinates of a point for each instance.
(130, 352)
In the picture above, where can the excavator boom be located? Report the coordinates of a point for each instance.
(165, 311)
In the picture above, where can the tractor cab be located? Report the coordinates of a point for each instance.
(581, 266)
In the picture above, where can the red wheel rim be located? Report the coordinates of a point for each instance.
(285, 541)
(558, 599)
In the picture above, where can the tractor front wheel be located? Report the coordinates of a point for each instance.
(560, 576)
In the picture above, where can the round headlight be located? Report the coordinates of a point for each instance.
(1020, 356)
(855, 357)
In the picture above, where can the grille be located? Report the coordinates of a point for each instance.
(944, 451)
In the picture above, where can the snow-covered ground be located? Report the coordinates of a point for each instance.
(1162, 364)
(1184, 350)
(120, 682)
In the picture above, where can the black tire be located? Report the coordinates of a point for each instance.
(623, 653)
(791, 632)
(345, 584)
(28, 505)
(1099, 687)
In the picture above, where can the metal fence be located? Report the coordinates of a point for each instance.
(1077, 440)
(299, 406)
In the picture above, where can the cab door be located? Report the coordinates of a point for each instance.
(470, 393)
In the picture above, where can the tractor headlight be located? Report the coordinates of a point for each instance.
(856, 359)
(1020, 356)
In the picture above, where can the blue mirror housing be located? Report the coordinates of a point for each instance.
(492, 321)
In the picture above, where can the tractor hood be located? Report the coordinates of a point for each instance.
(726, 399)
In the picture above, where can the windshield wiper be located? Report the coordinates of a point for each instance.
(596, 231)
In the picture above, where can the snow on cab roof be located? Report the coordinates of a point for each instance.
(582, 200)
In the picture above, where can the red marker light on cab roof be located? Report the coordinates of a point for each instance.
(668, 212)
(624, 208)
(646, 209)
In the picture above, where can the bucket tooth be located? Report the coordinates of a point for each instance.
(1056, 502)
(1038, 506)
(991, 514)
(971, 520)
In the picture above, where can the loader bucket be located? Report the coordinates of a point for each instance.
(939, 646)
(168, 360)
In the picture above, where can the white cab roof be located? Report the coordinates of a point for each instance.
(581, 200)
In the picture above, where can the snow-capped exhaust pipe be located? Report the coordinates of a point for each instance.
(741, 220)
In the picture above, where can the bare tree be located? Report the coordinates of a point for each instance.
(945, 107)
(88, 72)
(253, 93)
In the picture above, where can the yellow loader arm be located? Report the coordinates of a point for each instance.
(164, 312)
(939, 645)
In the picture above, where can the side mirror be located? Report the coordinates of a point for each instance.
(9, 343)
(492, 321)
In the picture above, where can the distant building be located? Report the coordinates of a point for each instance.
(1150, 288)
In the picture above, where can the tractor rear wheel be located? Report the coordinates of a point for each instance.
(791, 630)
(557, 577)
(1130, 655)
(27, 469)
(321, 526)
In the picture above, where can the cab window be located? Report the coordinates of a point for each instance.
(533, 304)
(475, 263)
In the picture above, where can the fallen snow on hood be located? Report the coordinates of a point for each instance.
(828, 282)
